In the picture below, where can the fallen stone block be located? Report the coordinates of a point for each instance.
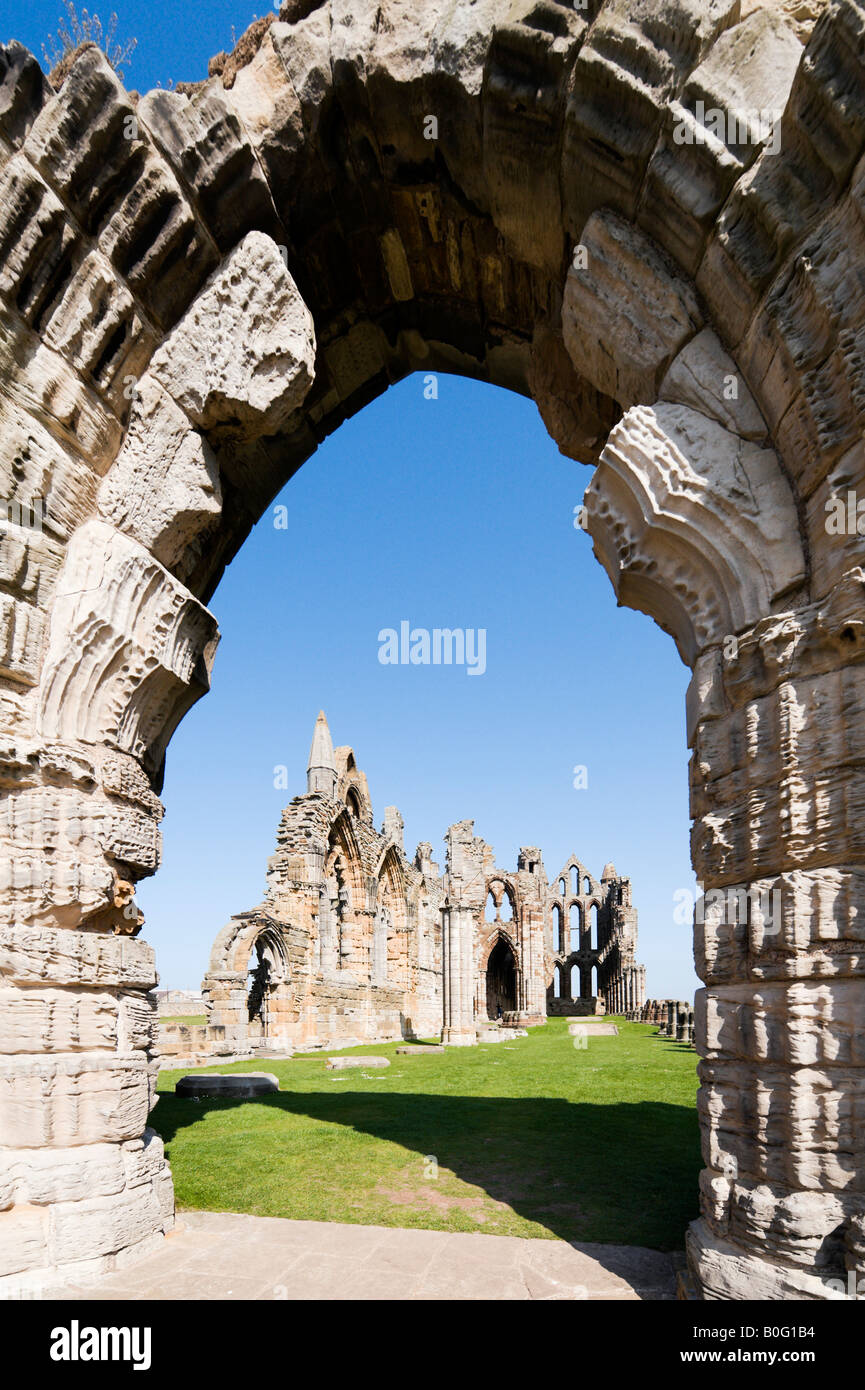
(236, 1086)
(342, 1063)
(593, 1028)
(419, 1051)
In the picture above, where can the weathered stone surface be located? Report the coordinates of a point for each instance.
(715, 129)
(23, 90)
(802, 14)
(524, 91)
(419, 1051)
(65, 1101)
(704, 378)
(725, 1270)
(578, 417)
(243, 357)
(29, 955)
(627, 71)
(203, 139)
(98, 327)
(730, 546)
(41, 382)
(52, 1020)
(103, 1225)
(23, 1239)
(626, 313)
(232, 1085)
(44, 1176)
(130, 648)
(87, 144)
(164, 488)
(442, 246)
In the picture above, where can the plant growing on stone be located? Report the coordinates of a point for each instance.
(75, 30)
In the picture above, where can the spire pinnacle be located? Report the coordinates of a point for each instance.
(321, 771)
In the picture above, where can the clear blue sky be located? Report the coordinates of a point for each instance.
(456, 512)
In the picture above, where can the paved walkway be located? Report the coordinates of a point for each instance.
(217, 1255)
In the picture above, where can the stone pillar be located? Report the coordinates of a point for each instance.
(681, 1022)
(458, 1028)
(779, 947)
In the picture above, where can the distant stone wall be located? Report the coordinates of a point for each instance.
(196, 289)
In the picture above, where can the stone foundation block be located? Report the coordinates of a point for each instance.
(59, 1102)
(344, 1063)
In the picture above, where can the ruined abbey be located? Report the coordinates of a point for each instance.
(539, 196)
(356, 942)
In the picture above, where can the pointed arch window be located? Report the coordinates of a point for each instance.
(575, 926)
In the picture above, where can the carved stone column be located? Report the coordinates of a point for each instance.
(458, 984)
(679, 509)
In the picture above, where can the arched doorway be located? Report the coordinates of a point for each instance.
(705, 509)
(266, 972)
(501, 980)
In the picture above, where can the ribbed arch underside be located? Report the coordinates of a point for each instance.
(197, 287)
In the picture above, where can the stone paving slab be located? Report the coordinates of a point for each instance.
(228, 1256)
(363, 1063)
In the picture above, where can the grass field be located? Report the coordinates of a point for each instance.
(533, 1138)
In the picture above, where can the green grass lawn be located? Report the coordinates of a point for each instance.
(532, 1138)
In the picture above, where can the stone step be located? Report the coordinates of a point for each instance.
(232, 1085)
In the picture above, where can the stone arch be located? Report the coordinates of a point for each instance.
(228, 990)
(390, 962)
(628, 274)
(501, 974)
(501, 893)
(558, 938)
(576, 925)
(593, 924)
(342, 844)
(500, 934)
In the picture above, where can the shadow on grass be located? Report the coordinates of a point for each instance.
(621, 1174)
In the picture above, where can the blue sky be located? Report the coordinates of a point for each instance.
(455, 512)
(176, 38)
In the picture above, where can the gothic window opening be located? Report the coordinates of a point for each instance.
(266, 970)
(575, 924)
(381, 931)
(501, 981)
